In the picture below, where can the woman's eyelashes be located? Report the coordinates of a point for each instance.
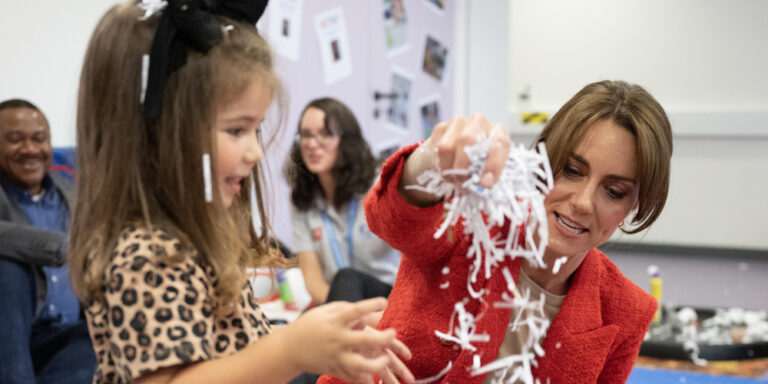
(571, 171)
(615, 193)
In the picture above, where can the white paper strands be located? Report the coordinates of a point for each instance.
(150, 7)
(517, 199)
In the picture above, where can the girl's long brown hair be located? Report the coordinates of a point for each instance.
(151, 174)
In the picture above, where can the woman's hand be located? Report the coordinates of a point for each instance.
(445, 149)
(333, 339)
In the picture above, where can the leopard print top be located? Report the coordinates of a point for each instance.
(158, 314)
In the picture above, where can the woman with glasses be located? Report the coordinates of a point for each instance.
(330, 169)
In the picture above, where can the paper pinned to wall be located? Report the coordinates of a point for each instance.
(383, 150)
(429, 108)
(331, 30)
(400, 96)
(435, 58)
(285, 27)
(395, 26)
(436, 5)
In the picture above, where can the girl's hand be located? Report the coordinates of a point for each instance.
(396, 371)
(332, 339)
(396, 368)
(445, 149)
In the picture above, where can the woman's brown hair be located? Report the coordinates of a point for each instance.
(629, 106)
(131, 171)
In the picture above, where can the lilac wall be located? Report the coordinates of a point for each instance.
(304, 81)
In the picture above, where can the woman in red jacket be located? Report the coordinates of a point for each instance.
(609, 149)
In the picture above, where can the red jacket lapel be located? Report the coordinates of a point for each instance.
(577, 341)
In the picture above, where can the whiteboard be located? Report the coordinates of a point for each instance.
(704, 60)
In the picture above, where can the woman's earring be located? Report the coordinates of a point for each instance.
(623, 225)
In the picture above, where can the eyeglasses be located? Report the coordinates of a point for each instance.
(323, 137)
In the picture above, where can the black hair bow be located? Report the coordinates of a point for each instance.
(189, 24)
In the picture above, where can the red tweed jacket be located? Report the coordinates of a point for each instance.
(594, 338)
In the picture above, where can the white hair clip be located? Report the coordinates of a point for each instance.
(208, 184)
(151, 7)
(144, 76)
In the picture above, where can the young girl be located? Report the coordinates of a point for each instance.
(330, 169)
(162, 228)
(609, 148)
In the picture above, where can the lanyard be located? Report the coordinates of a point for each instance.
(332, 234)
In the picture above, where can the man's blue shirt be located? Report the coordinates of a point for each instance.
(50, 211)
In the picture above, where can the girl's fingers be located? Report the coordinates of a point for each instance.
(361, 365)
(388, 377)
(368, 339)
(372, 319)
(400, 349)
(399, 369)
(351, 313)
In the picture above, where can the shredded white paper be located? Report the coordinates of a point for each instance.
(559, 263)
(515, 200)
(150, 7)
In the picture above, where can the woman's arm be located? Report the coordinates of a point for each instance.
(445, 149)
(327, 339)
(420, 161)
(312, 270)
(406, 218)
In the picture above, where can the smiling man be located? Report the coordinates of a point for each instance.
(45, 338)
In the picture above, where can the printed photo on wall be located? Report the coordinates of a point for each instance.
(436, 5)
(395, 26)
(383, 151)
(400, 102)
(334, 45)
(285, 27)
(429, 109)
(435, 58)
(335, 50)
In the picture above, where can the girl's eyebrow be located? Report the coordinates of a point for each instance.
(581, 160)
(245, 118)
